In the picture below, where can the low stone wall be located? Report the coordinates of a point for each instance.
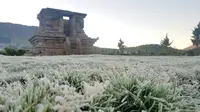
(97, 50)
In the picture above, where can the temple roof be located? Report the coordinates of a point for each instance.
(59, 12)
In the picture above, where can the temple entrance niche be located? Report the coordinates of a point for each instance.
(66, 20)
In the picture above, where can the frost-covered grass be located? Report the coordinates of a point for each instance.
(99, 83)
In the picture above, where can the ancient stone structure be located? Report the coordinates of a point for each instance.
(59, 36)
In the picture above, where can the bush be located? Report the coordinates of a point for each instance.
(112, 53)
(190, 53)
(139, 52)
(13, 52)
(10, 51)
(20, 52)
(171, 52)
(3, 52)
(193, 52)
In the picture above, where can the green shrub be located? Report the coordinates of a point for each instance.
(139, 52)
(20, 52)
(112, 53)
(190, 53)
(196, 51)
(3, 52)
(10, 51)
(13, 52)
(193, 52)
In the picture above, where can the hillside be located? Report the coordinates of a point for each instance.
(148, 49)
(152, 49)
(190, 47)
(15, 34)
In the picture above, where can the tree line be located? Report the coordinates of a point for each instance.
(12, 52)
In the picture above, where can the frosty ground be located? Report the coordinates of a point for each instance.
(69, 83)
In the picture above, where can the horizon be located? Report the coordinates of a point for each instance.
(136, 23)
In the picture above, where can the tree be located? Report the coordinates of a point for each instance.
(196, 34)
(10, 51)
(121, 46)
(13, 52)
(165, 42)
(20, 52)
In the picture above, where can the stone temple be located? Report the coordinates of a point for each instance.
(59, 36)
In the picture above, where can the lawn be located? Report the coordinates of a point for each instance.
(99, 83)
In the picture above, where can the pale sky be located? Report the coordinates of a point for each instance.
(137, 22)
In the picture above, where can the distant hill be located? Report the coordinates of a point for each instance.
(16, 34)
(148, 49)
(190, 47)
(151, 48)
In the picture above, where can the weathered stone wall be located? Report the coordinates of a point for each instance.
(51, 25)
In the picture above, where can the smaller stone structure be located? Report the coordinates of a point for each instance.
(59, 36)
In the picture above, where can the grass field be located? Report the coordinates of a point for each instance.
(99, 83)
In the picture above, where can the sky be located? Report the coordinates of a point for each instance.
(136, 22)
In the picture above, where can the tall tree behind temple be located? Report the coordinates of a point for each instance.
(196, 34)
(165, 42)
(121, 46)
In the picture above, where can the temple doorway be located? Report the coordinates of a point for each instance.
(66, 25)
